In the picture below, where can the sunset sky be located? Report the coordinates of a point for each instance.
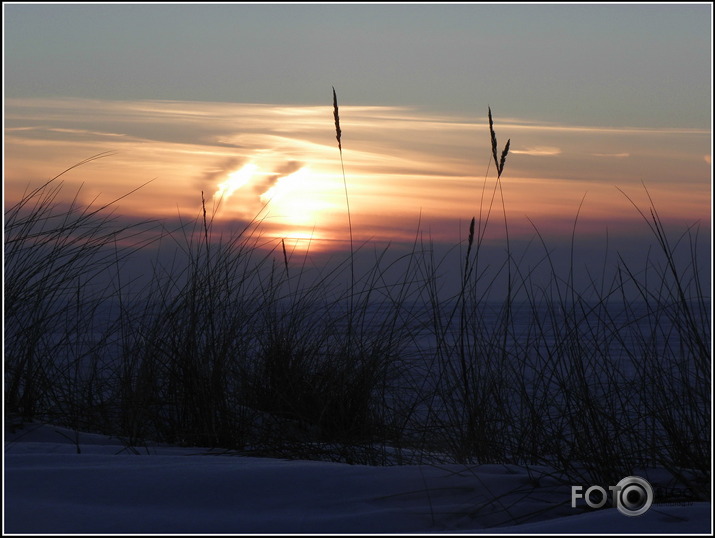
(235, 100)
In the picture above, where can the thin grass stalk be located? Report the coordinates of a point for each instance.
(338, 136)
(209, 275)
(509, 296)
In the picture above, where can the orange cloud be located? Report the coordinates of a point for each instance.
(399, 164)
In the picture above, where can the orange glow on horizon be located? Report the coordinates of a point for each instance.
(280, 166)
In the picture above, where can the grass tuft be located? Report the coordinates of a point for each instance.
(222, 347)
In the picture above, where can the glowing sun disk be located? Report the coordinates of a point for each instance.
(296, 200)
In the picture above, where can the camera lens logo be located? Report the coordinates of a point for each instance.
(633, 496)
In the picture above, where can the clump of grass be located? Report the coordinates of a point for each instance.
(223, 347)
(473, 414)
(57, 256)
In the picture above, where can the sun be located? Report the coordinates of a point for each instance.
(298, 207)
(301, 208)
(297, 200)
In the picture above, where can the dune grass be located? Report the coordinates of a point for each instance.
(230, 345)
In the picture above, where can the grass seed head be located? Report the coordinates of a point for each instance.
(494, 138)
(503, 156)
(338, 132)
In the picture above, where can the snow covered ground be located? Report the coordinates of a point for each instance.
(105, 488)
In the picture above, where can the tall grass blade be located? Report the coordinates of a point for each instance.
(338, 136)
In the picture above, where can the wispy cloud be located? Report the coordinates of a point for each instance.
(538, 150)
(399, 162)
(612, 155)
(526, 125)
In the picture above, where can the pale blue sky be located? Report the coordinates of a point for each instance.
(601, 65)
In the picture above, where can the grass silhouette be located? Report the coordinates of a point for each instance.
(225, 348)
